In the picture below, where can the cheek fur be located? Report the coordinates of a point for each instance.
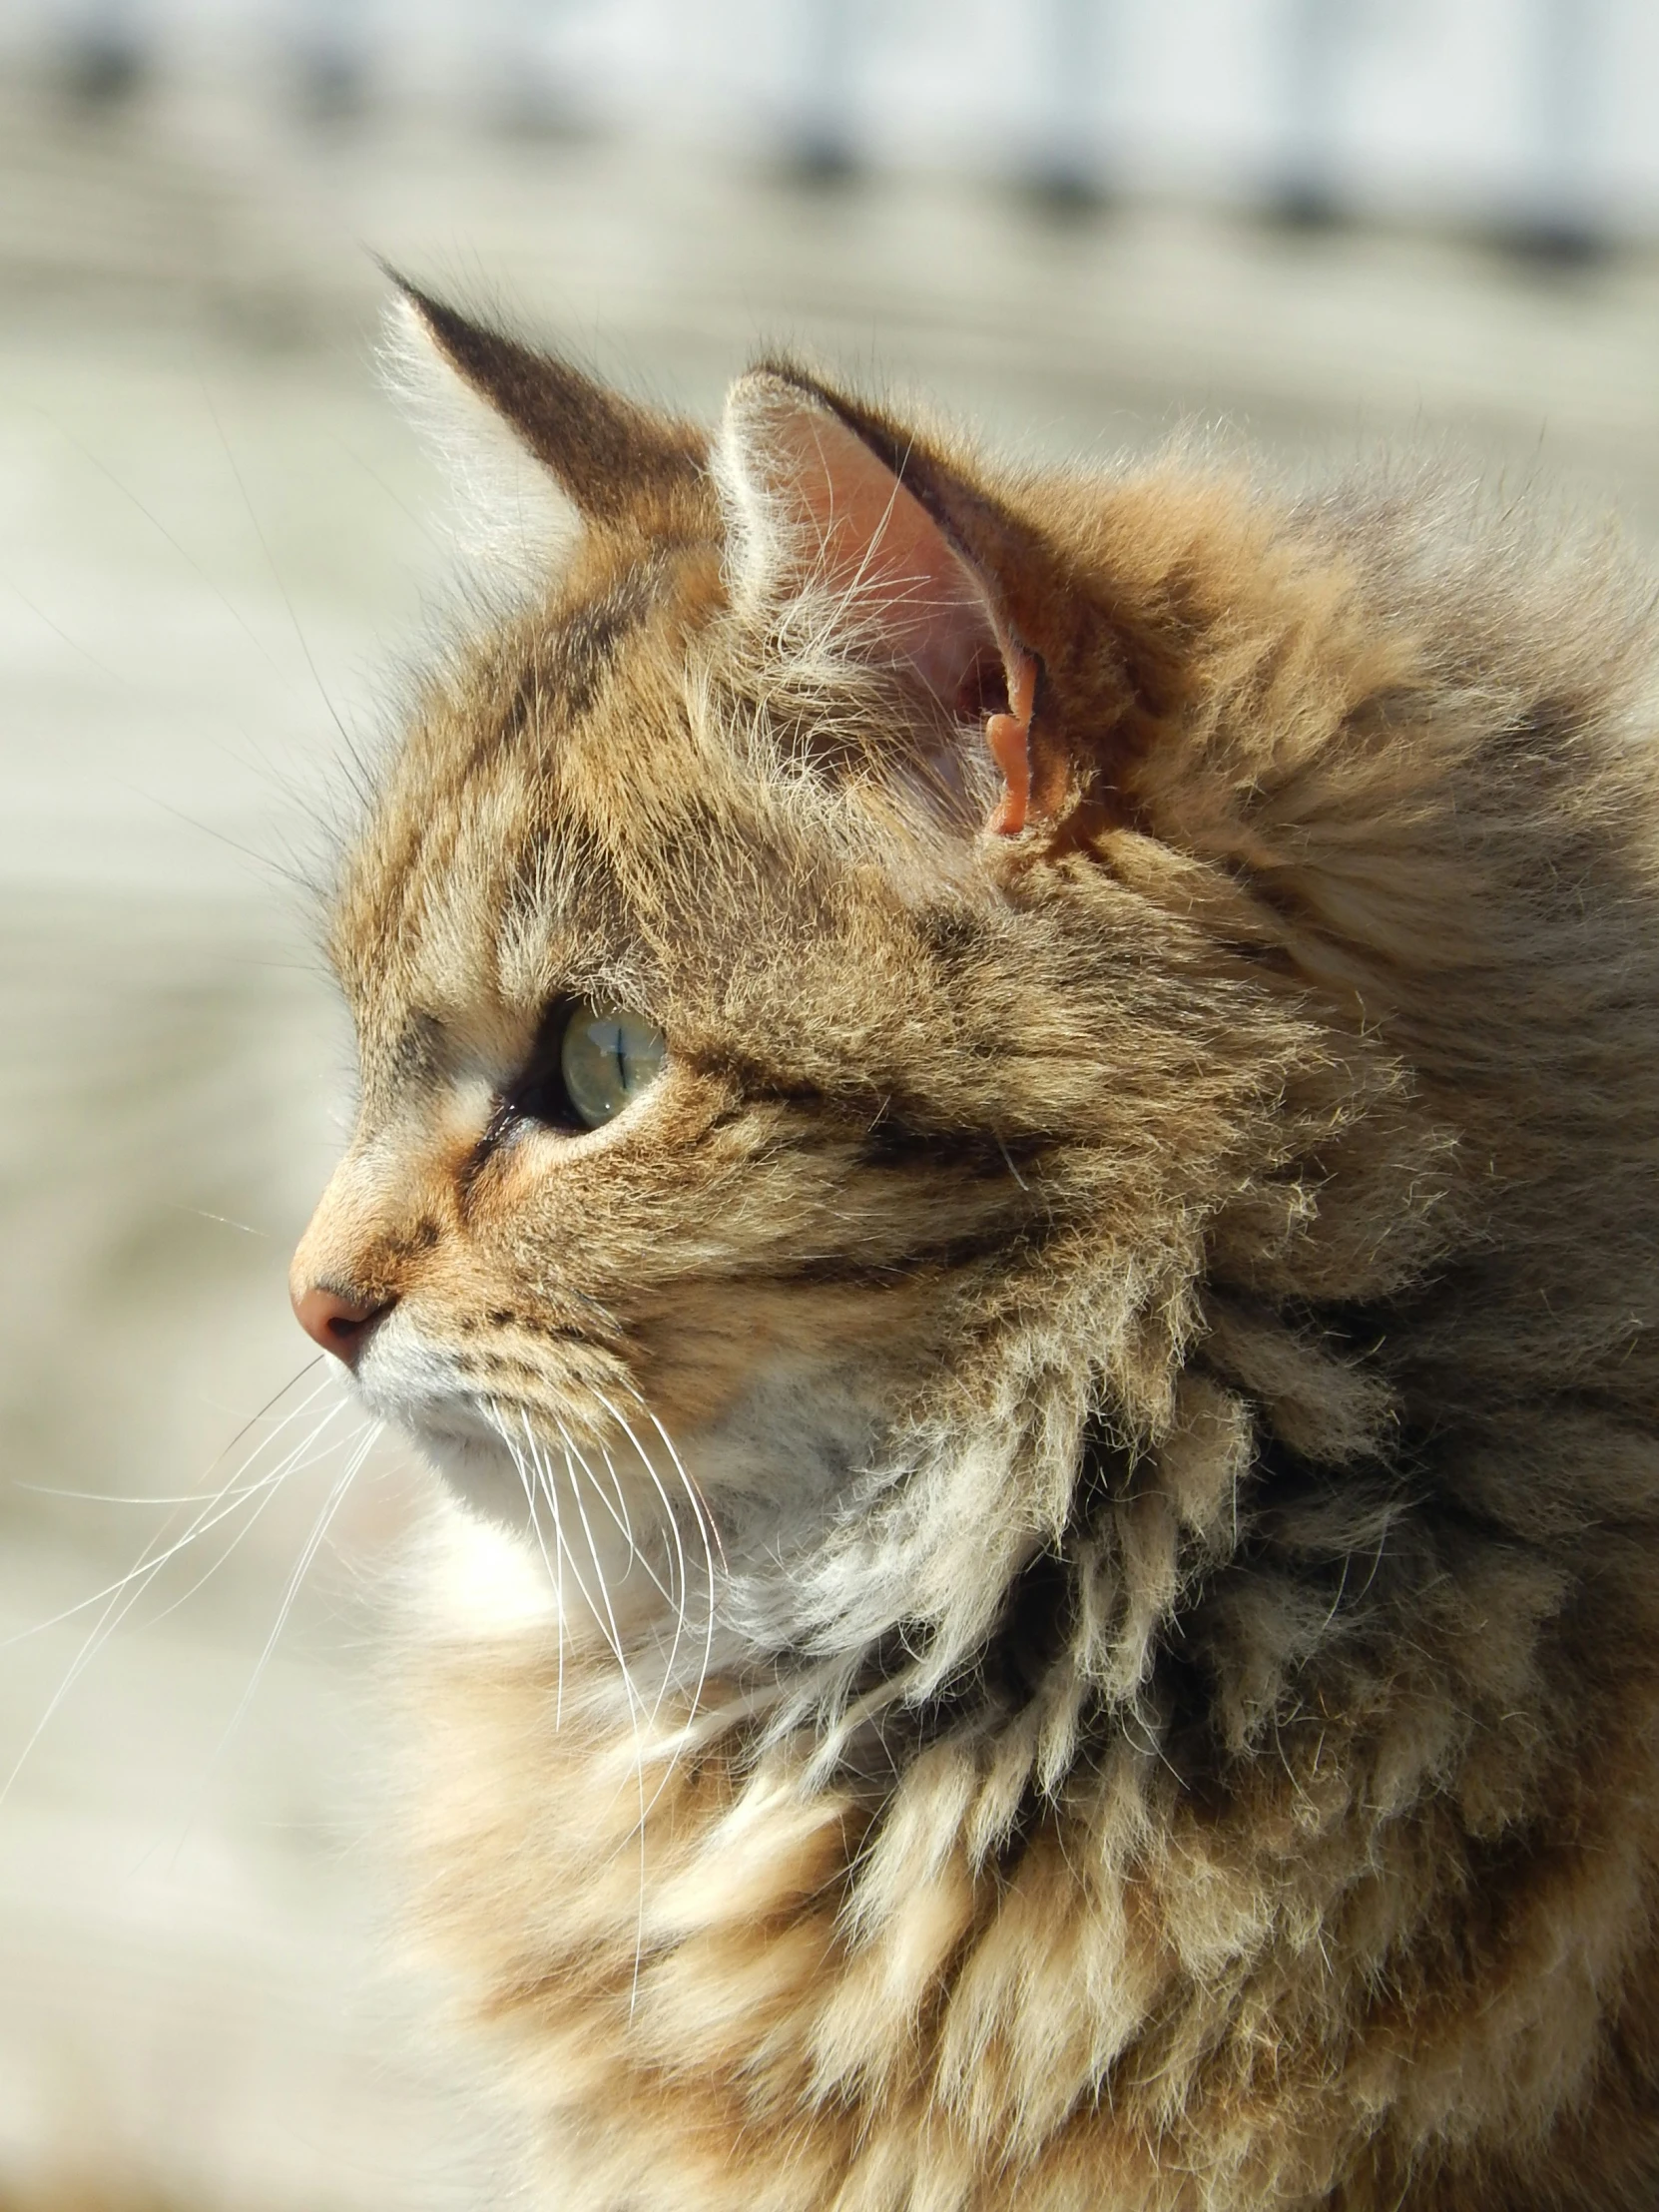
(698, 1358)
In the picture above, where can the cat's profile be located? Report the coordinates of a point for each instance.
(1010, 1148)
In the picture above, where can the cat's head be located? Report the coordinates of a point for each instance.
(818, 1038)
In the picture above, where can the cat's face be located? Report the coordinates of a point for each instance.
(748, 1219)
(757, 1057)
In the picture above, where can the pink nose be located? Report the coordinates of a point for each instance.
(339, 1325)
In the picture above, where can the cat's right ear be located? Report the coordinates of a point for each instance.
(835, 515)
(537, 451)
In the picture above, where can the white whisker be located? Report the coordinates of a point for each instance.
(544, 1478)
(618, 1512)
(119, 1597)
(636, 1707)
(534, 1466)
(269, 1485)
(148, 1566)
(673, 1520)
(710, 1536)
(670, 1588)
(555, 1565)
(359, 1452)
(607, 1624)
(116, 1497)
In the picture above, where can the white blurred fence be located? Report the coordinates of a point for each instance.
(1538, 114)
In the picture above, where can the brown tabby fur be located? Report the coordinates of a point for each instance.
(1228, 1207)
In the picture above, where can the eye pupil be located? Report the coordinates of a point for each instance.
(607, 1056)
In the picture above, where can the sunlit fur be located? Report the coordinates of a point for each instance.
(1126, 1351)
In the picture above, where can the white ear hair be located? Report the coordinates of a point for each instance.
(508, 513)
(762, 533)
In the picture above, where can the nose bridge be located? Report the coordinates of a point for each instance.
(368, 1228)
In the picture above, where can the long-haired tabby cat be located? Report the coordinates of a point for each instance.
(1008, 1149)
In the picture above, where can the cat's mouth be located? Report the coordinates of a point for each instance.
(605, 1507)
(630, 1515)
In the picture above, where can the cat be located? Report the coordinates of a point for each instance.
(1008, 1152)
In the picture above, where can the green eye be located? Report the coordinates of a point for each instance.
(607, 1057)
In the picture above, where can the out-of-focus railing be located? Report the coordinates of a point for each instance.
(1530, 116)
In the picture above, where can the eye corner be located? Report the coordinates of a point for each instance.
(538, 1092)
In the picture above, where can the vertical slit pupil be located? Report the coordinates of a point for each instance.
(591, 1057)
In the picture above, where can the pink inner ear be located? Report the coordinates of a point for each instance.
(879, 545)
(875, 543)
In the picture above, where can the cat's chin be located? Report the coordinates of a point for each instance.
(485, 1580)
(454, 1436)
(556, 1563)
(477, 1472)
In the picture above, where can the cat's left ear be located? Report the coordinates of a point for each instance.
(537, 447)
(827, 498)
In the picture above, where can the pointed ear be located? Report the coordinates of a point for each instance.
(612, 460)
(813, 499)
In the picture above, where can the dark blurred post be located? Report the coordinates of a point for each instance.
(1066, 170)
(102, 51)
(1313, 33)
(1561, 222)
(525, 90)
(331, 58)
(826, 42)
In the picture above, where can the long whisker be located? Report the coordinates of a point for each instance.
(610, 1628)
(673, 1592)
(556, 1566)
(618, 1512)
(670, 1589)
(705, 1520)
(276, 1398)
(269, 1485)
(149, 1563)
(636, 1707)
(669, 1679)
(360, 1448)
(116, 1497)
(677, 1592)
(673, 1519)
(614, 1638)
(365, 1444)
(125, 1593)
(121, 1596)
(711, 1539)
(544, 1478)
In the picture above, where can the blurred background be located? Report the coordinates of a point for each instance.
(1328, 228)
